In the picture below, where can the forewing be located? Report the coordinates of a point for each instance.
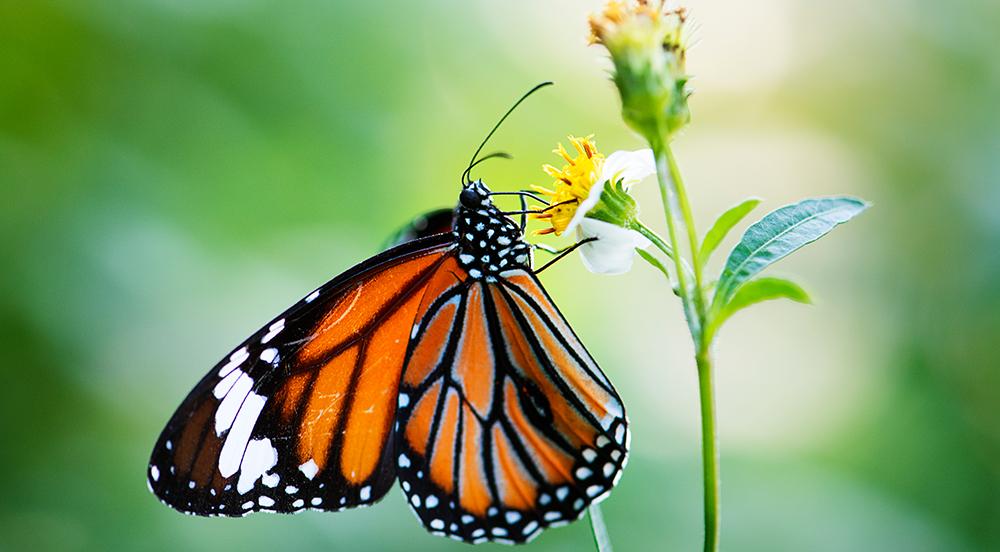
(506, 424)
(300, 414)
(438, 221)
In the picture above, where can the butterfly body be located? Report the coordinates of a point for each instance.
(488, 241)
(441, 363)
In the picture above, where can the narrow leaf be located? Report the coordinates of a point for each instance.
(722, 226)
(780, 233)
(757, 291)
(649, 258)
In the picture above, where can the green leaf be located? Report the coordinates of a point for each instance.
(722, 226)
(780, 233)
(649, 258)
(757, 291)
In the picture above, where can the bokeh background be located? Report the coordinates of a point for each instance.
(175, 172)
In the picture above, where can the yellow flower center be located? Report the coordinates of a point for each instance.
(572, 183)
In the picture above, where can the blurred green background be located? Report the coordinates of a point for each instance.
(175, 172)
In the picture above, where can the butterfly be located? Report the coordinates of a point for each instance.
(441, 363)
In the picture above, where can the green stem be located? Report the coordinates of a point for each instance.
(670, 210)
(676, 206)
(692, 232)
(709, 450)
(601, 538)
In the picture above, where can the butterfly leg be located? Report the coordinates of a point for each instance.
(560, 253)
(540, 211)
(524, 217)
(523, 193)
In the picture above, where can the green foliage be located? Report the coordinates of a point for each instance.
(753, 292)
(722, 226)
(615, 206)
(777, 235)
(651, 259)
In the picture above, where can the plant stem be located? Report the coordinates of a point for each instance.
(670, 210)
(709, 449)
(676, 206)
(601, 538)
(692, 232)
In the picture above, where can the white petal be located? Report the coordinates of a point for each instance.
(614, 250)
(628, 166)
(586, 205)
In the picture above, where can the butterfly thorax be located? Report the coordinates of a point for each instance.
(489, 242)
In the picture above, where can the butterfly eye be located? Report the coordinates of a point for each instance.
(469, 198)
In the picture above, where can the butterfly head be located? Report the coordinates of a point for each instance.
(475, 195)
(489, 242)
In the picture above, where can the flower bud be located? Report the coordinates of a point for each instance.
(646, 45)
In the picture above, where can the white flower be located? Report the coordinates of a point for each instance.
(590, 197)
(630, 167)
(614, 249)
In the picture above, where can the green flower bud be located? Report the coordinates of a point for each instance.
(646, 46)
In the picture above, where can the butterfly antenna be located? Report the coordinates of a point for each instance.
(487, 157)
(473, 162)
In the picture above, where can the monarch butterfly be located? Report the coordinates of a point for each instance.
(441, 362)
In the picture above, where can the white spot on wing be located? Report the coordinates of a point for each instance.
(269, 355)
(312, 296)
(309, 469)
(291, 489)
(226, 384)
(259, 458)
(239, 434)
(154, 472)
(404, 400)
(266, 501)
(270, 480)
(230, 406)
(235, 360)
(366, 492)
(274, 330)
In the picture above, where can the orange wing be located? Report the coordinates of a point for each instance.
(506, 424)
(300, 415)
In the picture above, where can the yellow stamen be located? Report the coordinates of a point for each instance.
(572, 182)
